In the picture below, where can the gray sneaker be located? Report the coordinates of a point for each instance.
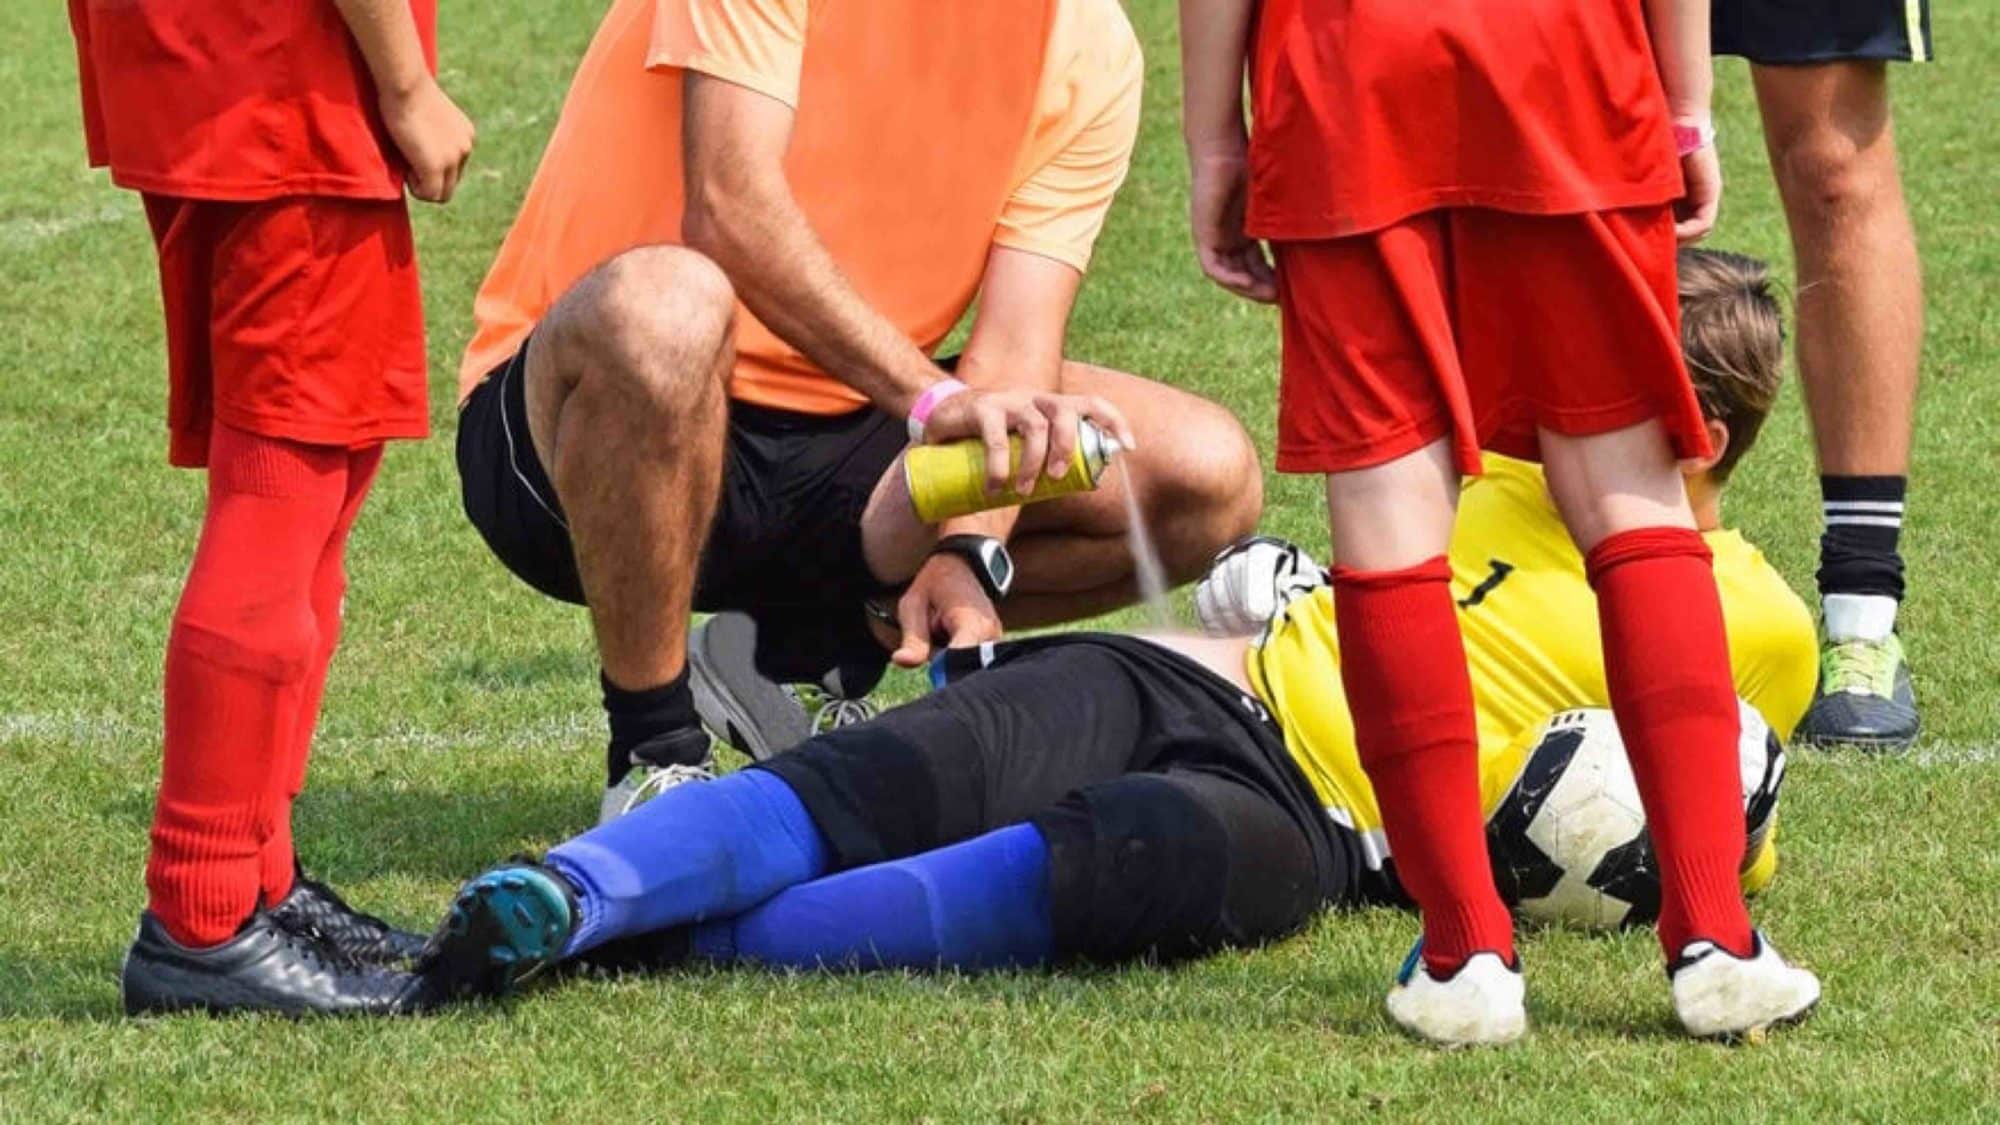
(742, 707)
(1864, 699)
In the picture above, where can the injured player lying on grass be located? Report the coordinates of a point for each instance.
(1095, 797)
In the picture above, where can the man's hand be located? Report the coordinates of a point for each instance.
(434, 136)
(1217, 197)
(1696, 212)
(1045, 421)
(944, 602)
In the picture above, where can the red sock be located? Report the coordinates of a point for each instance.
(329, 588)
(1402, 665)
(238, 656)
(1666, 661)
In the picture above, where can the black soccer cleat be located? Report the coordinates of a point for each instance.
(264, 968)
(1864, 699)
(315, 910)
(505, 926)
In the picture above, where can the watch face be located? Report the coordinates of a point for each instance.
(998, 566)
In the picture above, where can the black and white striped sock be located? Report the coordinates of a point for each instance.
(1860, 569)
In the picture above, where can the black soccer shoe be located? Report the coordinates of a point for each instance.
(264, 968)
(315, 910)
(505, 926)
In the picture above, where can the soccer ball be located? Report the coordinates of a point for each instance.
(1569, 839)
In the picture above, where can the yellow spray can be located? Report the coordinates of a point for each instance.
(950, 480)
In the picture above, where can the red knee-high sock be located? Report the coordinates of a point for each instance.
(238, 655)
(1668, 672)
(329, 589)
(1402, 665)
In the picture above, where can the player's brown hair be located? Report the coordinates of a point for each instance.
(1733, 341)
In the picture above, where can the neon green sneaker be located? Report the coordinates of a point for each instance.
(1864, 699)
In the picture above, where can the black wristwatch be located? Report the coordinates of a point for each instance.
(988, 559)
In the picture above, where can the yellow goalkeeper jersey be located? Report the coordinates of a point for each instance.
(1531, 640)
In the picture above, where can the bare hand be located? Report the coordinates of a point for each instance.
(945, 601)
(1695, 214)
(1218, 194)
(1045, 422)
(434, 136)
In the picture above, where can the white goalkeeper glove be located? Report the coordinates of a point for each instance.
(1250, 582)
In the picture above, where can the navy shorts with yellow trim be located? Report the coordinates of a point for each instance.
(1790, 32)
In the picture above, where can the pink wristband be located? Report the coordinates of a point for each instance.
(1690, 139)
(927, 402)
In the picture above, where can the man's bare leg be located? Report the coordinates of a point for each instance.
(1200, 488)
(1860, 340)
(627, 408)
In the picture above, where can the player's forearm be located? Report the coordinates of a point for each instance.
(753, 228)
(1215, 36)
(1680, 30)
(386, 32)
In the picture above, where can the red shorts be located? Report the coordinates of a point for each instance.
(1480, 326)
(296, 318)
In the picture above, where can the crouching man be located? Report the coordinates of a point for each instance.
(708, 338)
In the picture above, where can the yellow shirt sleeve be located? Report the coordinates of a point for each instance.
(1772, 647)
(1086, 120)
(759, 44)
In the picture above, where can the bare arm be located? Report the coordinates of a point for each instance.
(1680, 33)
(1017, 342)
(432, 133)
(1215, 37)
(740, 212)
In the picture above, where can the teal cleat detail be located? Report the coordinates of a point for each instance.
(505, 926)
(1865, 698)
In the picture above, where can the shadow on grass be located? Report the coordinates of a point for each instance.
(353, 829)
(75, 990)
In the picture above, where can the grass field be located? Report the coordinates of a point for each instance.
(462, 726)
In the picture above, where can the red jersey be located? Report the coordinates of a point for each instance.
(1369, 111)
(235, 99)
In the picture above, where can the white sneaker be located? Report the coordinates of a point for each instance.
(643, 782)
(1722, 996)
(1480, 1005)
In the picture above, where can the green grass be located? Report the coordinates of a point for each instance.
(461, 726)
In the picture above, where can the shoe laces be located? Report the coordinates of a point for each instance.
(837, 711)
(659, 779)
(1860, 667)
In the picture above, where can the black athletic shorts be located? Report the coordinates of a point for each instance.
(1176, 821)
(1777, 32)
(785, 545)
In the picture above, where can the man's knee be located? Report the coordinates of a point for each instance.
(654, 322)
(1832, 149)
(1212, 492)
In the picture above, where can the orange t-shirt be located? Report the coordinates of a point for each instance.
(926, 134)
(1369, 111)
(234, 99)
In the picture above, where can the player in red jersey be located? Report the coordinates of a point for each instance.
(272, 144)
(1474, 219)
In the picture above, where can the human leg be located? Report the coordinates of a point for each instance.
(1831, 139)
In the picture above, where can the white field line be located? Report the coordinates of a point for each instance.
(97, 730)
(29, 230)
(77, 729)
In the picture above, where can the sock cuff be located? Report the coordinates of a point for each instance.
(1860, 489)
(244, 463)
(1435, 569)
(1643, 544)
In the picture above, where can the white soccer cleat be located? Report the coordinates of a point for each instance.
(1722, 996)
(1483, 1004)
